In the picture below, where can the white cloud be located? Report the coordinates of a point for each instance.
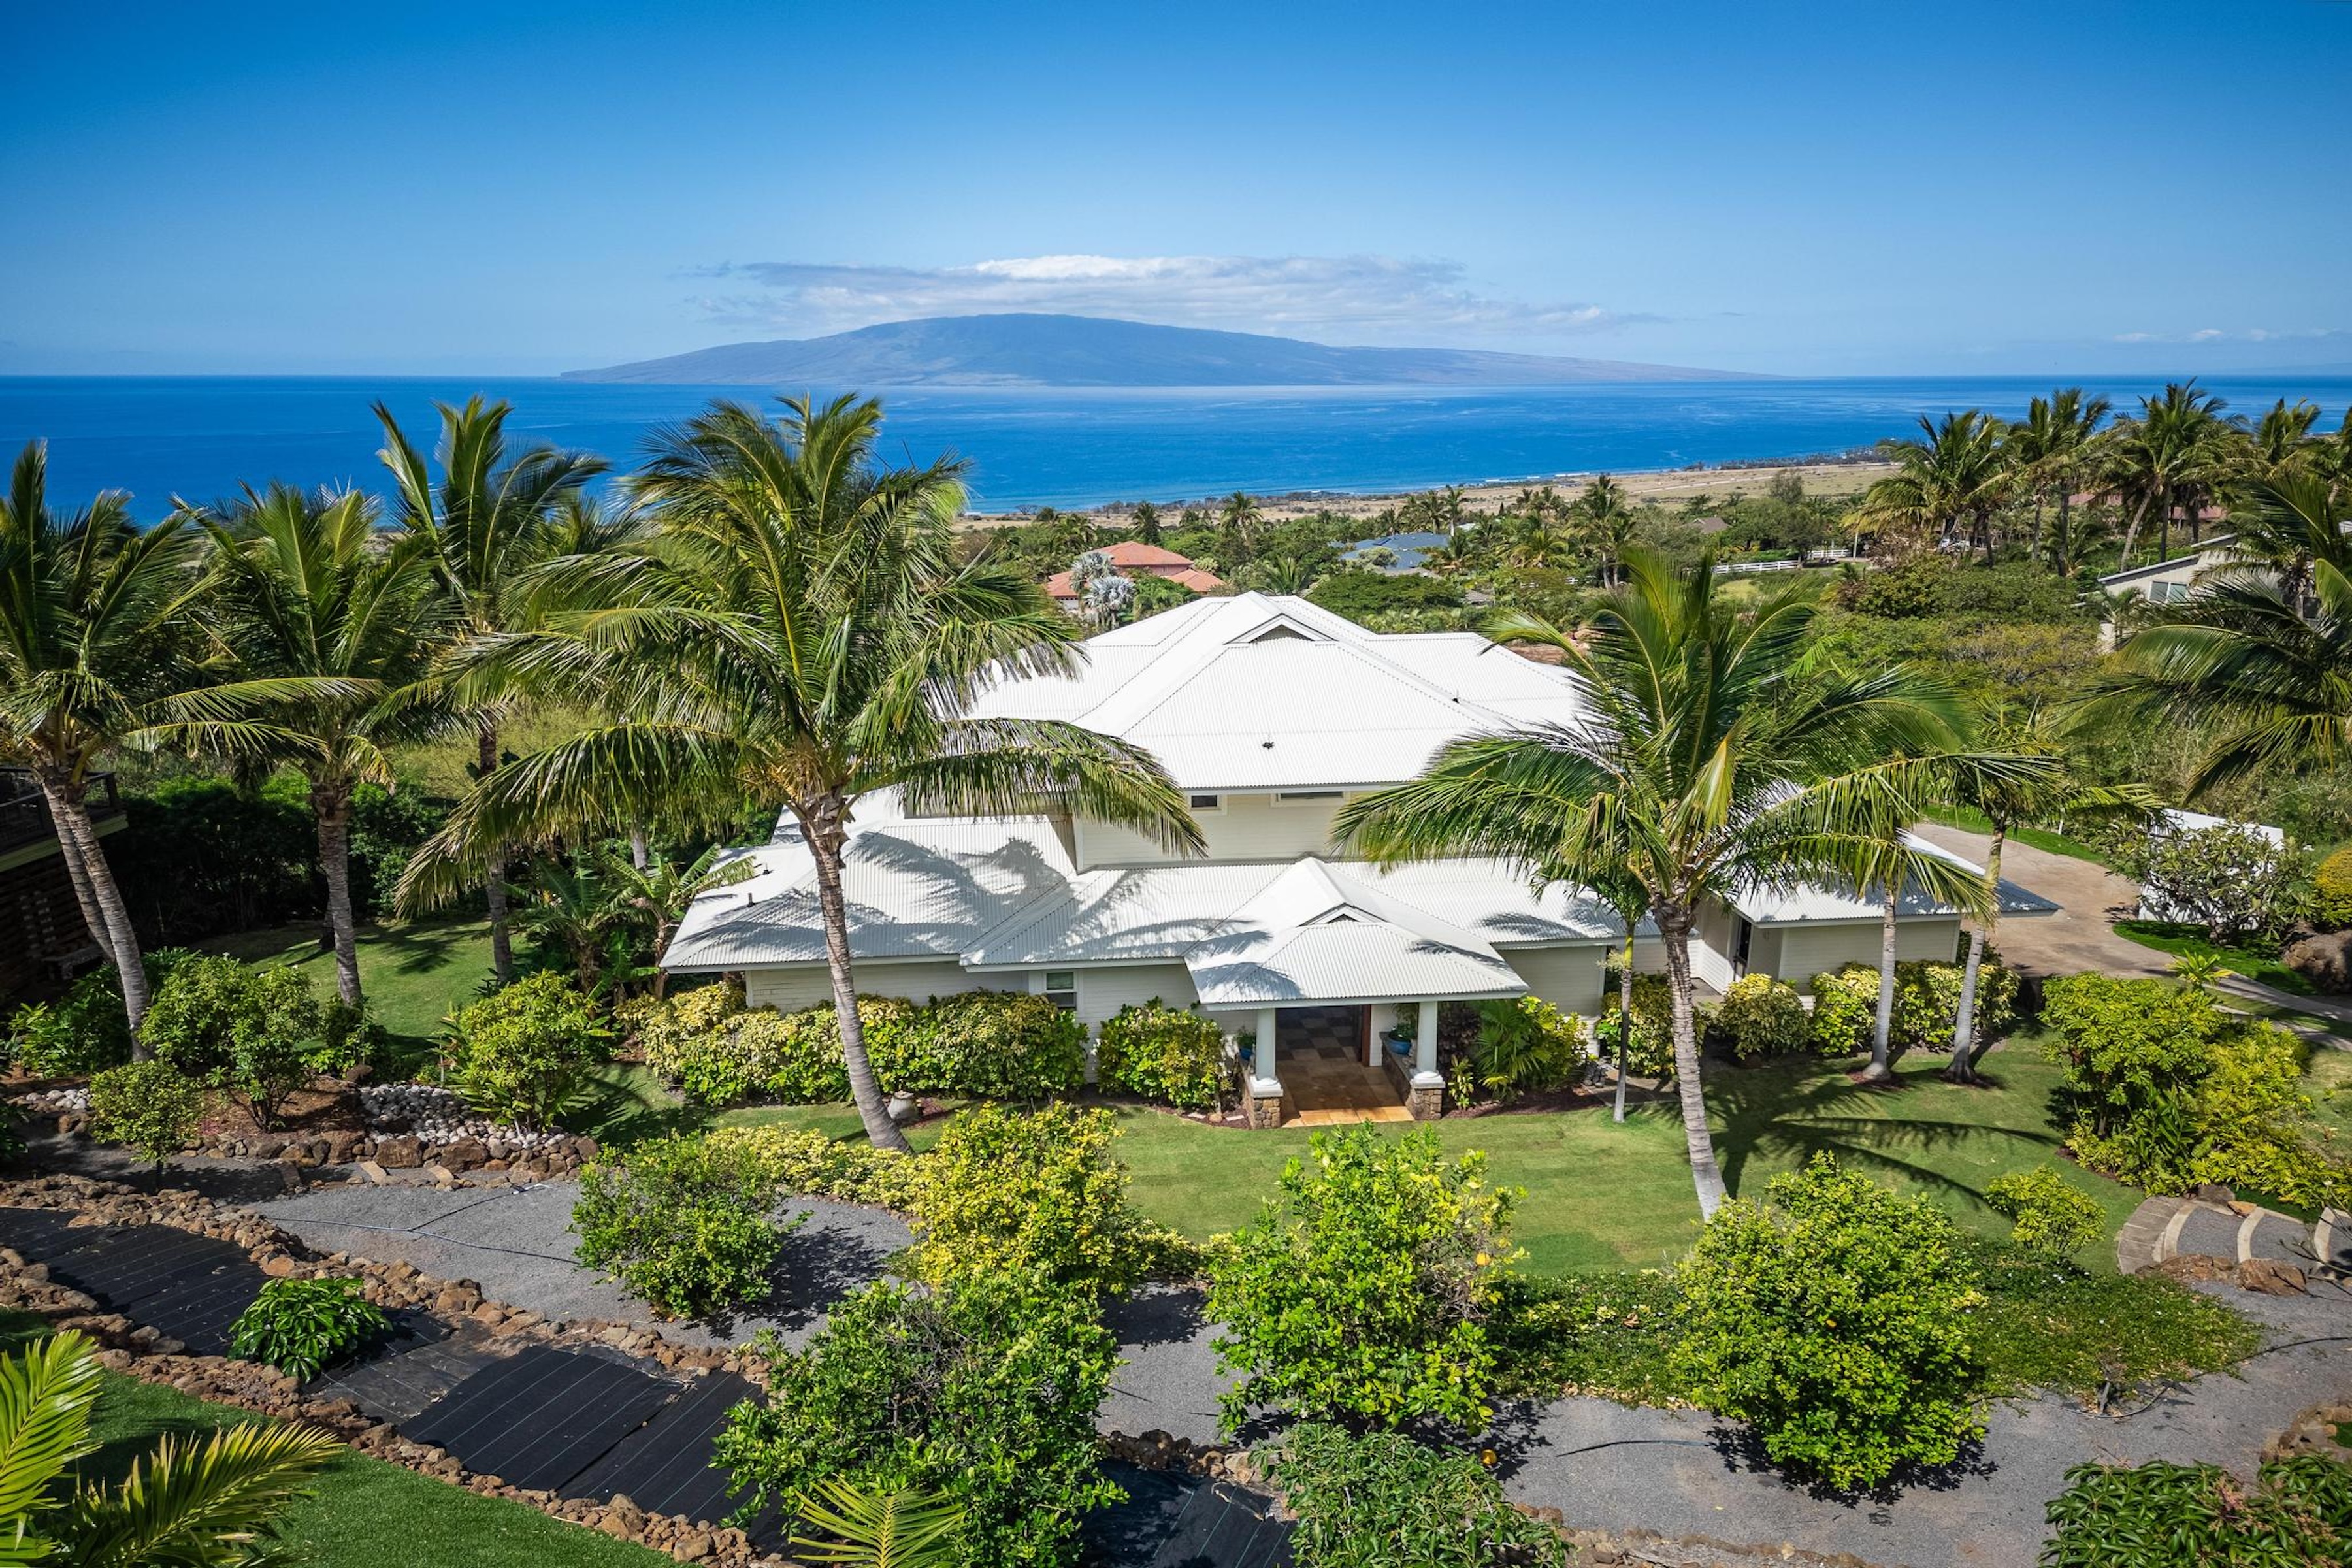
(1347, 298)
(2250, 335)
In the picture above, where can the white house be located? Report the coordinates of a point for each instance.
(1268, 713)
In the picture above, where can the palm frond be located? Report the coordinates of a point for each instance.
(46, 1394)
(870, 1529)
(193, 1506)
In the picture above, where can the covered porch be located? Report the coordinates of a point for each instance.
(1329, 1065)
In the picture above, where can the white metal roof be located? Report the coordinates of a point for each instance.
(1348, 960)
(1826, 902)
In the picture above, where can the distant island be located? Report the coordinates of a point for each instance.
(1036, 350)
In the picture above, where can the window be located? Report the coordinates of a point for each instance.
(1300, 797)
(1205, 801)
(1061, 989)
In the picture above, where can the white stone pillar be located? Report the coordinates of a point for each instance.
(1424, 1049)
(1267, 1079)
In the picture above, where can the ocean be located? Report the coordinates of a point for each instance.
(200, 437)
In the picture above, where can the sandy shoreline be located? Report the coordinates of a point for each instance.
(1671, 485)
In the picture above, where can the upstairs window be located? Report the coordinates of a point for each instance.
(1061, 989)
(1302, 797)
(1205, 801)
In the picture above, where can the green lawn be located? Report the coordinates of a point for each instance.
(367, 1513)
(414, 974)
(2183, 940)
(1970, 820)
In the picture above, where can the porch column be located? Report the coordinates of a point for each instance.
(1263, 1103)
(1427, 1096)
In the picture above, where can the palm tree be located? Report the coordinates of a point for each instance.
(1952, 474)
(2167, 458)
(491, 520)
(321, 625)
(87, 602)
(2285, 521)
(805, 635)
(876, 1529)
(1703, 767)
(208, 1507)
(659, 890)
(2051, 451)
(2281, 443)
(1608, 519)
(1241, 519)
(1146, 523)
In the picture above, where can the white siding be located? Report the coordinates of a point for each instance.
(1250, 828)
(1710, 954)
(1809, 950)
(798, 985)
(1567, 977)
(1103, 991)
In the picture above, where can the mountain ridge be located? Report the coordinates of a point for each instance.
(1038, 349)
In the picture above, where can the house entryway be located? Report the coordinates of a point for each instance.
(1322, 1053)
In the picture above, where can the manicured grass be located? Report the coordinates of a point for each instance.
(1969, 820)
(2187, 941)
(366, 1513)
(414, 974)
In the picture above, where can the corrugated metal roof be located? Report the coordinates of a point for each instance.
(1825, 901)
(1347, 961)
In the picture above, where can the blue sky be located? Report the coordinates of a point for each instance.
(2141, 188)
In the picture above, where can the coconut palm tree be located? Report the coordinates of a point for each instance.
(1952, 474)
(2168, 460)
(324, 627)
(491, 519)
(2280, 444)
(1607, 521)
(87, 604)
(208, 1506)
(1703, 766)
(2051, 451)
(1242, 520)
(805, 635)
(2286, 520)
(658, 892)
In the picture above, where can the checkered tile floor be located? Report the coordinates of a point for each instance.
(1320, 1057)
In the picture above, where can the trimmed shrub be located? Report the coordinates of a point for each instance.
(254, 1031)
(682, 1224)
(1832, 1319)
(810, 1164)
(1382, 1501)
(300, 1325)
(1170, 1055)
(1927, 1006)
(2256, 1128)
(987, 1045)
(1760, 1017)
(1527, 1046)
(2133, 1051)
(1028, 1192)
(1651, 1051)
(1361, 1291)
(152, 1106)
(2162, 1515)
(520, 1054)
(80, 1033)
(2332, 889)
(1845, 1010)
(2051, 1215)
(984, 1393)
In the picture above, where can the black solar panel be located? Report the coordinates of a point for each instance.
(540, 1418)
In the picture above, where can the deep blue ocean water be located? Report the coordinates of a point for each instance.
(201, 437)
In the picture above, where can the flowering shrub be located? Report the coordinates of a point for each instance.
(1832, 1320)
(1172, 1056)
(1032, 1193)
(1527, 1046)
(1361, 1291)
(1760, 1016)
(520, 1054)
(2051, 1215)
(683, 1224)
(984, 1392)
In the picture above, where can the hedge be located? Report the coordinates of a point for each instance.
(1172, 1056)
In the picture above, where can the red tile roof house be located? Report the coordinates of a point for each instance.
(1128, 559)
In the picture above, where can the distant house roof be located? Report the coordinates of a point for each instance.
(1408, 548)
(1129, 558)
(1131, 553)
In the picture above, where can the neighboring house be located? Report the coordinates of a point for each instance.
(42, 936)
(1129, 559)
(1268, 713)
(1405, 550)
(2164, 582)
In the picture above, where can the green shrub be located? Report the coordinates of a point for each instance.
(1651, 1051)
(2332, 889)
(1382, 1501)
(12, 1142)
(300, 1325)
(1845, 1010)
(1527, 1046)
(2298, 1513)
(811, 1164)
(253, 1031)
(1833, 1320)
(682, 1224)
(520, 1054)
(152, 1106)
(1760, 1017)
(1926, 1006)
(2132, 1051)
(987, 1045)
(2050, 1214)
(80, 1032)
(1170, 1055)
(1361, 1291)
(1029, 1192)
(984, 1393)
(2255, 1127)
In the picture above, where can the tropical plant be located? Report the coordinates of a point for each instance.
(86, 603)
(2168, 460)
(520, 1054)
(208, 1506)
(569, 911)
(227, 1023)
(865, 1528)
(1147, 522)
(1240, 517)
(1699, 766)
(318, 625)
(2050, 1213)
(491, 525)
(686, 1224)
(1527, 1046)
(1606, 520)
(1382, 1501)
(656, 893)
(2161, 1515)
(1170, 1055)
(2049, 452)
(150, 1107)
(806, 636)
(300, 1325)
(1949, 477)
(80, 1033)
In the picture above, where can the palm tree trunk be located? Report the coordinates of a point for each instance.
(1674, 925)
(826, 837)
(1625, 1017)
(1882, 1029)
(2131, 532)
(102, 908)
(494, 885)
(2061, 546)
(641, 853)
(1964, 1026)
(332, 804)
